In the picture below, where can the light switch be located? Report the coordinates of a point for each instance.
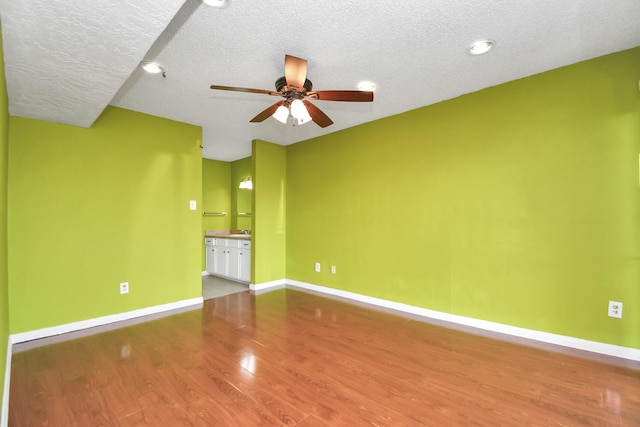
(192, 205)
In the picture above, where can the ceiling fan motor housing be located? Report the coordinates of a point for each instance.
(281, 84)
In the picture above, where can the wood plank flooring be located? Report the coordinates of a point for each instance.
(292, 358)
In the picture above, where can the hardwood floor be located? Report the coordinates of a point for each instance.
(292, 358)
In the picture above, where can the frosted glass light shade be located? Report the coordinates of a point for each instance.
(246, 184)
(299, 112)
(305, 117)
(281, 114)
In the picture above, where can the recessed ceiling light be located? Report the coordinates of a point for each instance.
(480, 47)
(151, 67)
(216, 3)
(367, 86)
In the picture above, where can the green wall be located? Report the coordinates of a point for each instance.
(90, 208)
(4, 284)
(240, 197)
(269, 219)
(517, 204)
(216, 197)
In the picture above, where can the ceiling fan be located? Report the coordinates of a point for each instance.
(296, 89)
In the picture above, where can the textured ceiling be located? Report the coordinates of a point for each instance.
(66, 60)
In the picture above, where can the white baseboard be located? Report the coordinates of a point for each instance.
(100, 321)
(268, 286)
(4, 418)
(205, 273)
(546, 337)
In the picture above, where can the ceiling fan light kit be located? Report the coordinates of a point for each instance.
(296, 89)
(295, 110)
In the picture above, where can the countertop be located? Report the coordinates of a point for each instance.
(229, 235)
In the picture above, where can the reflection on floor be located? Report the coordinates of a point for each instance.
(213, 287)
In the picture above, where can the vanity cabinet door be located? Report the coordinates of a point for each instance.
(244, 265)
(232, 260)
(211, 259)
(220, 261)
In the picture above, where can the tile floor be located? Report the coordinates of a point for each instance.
(213, 287)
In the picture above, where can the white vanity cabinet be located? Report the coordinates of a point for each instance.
(230, 258)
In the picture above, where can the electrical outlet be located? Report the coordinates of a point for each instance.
(192, 205)
(317, 267)
(333, 269)
(615, 309)
(124, 288)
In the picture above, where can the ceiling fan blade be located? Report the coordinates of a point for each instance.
(341, 95)
(267, 113)
(295, 72)
(245, 89)
(320, 118)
